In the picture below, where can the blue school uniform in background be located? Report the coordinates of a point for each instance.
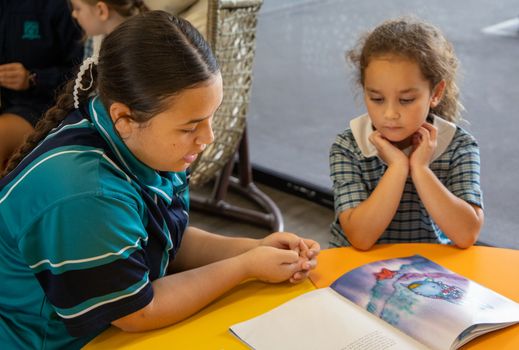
(84, 229)
(43, 36)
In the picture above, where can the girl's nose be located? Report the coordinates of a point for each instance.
(206, 135)
(391, 112)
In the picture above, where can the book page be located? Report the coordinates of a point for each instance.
(323, 320)
(435, 306)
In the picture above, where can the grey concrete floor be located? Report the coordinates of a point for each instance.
(303, 93)
(300, 216)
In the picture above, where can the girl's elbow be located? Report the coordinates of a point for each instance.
(360, 243)
(467, 243)
(135, 322)
(470, 237)
(358, 238)
(364, 246)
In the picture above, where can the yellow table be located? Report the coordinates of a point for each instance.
(495, 268)
(208, 329)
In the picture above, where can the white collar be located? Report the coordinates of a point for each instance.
(361, 128)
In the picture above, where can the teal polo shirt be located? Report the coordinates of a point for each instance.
(84, 229)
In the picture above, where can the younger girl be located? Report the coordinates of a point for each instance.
(94, 211)
(98, 18)
(404, 172)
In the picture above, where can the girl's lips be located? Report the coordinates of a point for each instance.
(392, 128)
(190, 158)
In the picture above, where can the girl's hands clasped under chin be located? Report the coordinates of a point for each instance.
(388, 152)
(306, 251)
(424, 144)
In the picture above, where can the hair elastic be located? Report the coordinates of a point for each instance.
(87, 64)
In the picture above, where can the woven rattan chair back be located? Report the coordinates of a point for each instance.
(231, 31)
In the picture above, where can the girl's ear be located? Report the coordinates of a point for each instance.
(102, 10)
(121, 117)
(437, 93)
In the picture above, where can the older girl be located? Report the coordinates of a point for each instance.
(94, 209)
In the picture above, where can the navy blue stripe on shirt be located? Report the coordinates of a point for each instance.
(81, 137)
(88, 323)
(174, 222)
(134, 268)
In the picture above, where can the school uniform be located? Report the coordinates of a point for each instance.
(85, 227)
(41, 35)
(356, 169)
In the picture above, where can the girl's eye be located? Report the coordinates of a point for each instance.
(406, 100)
(188, 131)
(377, 99)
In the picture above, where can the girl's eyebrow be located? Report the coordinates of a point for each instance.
(375, 91)
(194, 121)
(409, 90)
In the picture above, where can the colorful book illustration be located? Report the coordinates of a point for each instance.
(403, 303)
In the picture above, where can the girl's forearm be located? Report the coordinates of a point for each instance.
(459, 220)
(180, 295)
(365, 224)
(200, 248)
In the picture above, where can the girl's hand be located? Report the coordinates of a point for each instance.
(288, 240)
(424, 144)
(270, 264)
(389, 153)
(14, 76)
(307, 259)
(307, 249)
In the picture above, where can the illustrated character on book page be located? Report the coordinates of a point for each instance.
(397, 293)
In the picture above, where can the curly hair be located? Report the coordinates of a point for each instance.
(420, 42)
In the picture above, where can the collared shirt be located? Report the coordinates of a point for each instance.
(84, 229)
(356, 169)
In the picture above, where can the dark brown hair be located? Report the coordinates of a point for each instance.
(420, 42)
(143, 63)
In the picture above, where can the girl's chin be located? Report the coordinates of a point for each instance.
(398, 140)
(177, 168)
(402, 144)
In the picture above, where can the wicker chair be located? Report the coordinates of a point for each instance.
(231, 30)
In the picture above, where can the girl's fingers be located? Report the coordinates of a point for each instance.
(433, 131)
(424, 134)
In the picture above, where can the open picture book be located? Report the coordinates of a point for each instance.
(403, 303)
